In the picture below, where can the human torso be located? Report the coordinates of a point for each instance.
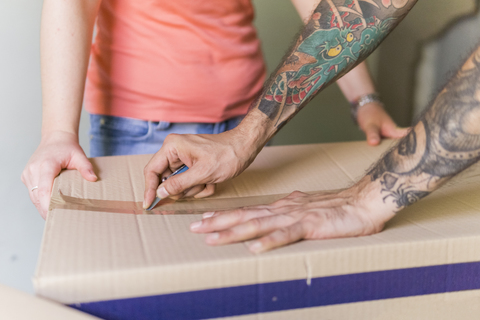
(177, 61)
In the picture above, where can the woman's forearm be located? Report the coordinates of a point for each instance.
(356, 83)
(66, 37)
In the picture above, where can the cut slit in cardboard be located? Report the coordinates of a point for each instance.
(103, 255)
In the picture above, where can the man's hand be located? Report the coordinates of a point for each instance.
(445, 141)
(57, 151)
(376, 123)
(211, 158)
(323, 52)
(350, 212)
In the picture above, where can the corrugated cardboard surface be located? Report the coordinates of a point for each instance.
(96, 248)
(17, 305)
(463, 305)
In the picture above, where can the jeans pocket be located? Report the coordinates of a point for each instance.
(113, 128)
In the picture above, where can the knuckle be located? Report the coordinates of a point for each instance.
(297, 193)
(208, 192)
(42, 193)
(255, 224)
(148, 170)
(283, 234)
(171, 138)
(238, 214)
(174, 186)
(226, 235)
(281, 203)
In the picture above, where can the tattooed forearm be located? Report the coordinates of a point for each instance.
(339, 35)
(444, 142)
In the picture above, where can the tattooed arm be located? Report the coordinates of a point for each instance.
(372, 117)
(339, 35)
(444, 142)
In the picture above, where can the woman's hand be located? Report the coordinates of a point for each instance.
(376, 123)
(58, 150)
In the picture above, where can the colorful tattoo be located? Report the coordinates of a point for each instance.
(443, 143)
(339, 35)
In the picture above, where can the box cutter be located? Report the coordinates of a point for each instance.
(183, 168)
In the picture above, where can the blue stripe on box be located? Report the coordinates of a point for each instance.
(294, 294)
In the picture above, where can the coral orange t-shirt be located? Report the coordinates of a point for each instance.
(174, 60)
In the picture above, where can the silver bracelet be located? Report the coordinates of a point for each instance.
(360, 102)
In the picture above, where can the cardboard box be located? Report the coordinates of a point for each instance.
(18, 305)
(104, 255)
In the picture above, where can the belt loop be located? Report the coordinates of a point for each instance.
(219, 127)
(163, 125)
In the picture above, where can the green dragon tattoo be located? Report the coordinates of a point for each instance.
(337, 37)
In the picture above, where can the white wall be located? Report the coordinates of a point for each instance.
(21, 226)
(442, 56)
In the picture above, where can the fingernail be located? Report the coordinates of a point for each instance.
(207, 215)
(92, 173)
(195, 225)
(255, 247)
(145, 204)
(162, 193)
(374, 140)
(212, 237)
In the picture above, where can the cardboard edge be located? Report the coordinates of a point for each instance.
(119, 283)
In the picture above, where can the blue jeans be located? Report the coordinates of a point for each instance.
(115, 136)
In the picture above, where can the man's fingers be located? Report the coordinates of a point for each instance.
(194, 191)
(227, 219)
(152, 171)
(207, 192)
(180, 182)
(151, 184)
(278, 238)
(250, 229)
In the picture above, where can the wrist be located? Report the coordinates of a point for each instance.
(369, 199)
(52, 135)
(253, 132)
(362, 101)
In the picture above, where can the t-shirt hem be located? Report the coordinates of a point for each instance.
(170, 116)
